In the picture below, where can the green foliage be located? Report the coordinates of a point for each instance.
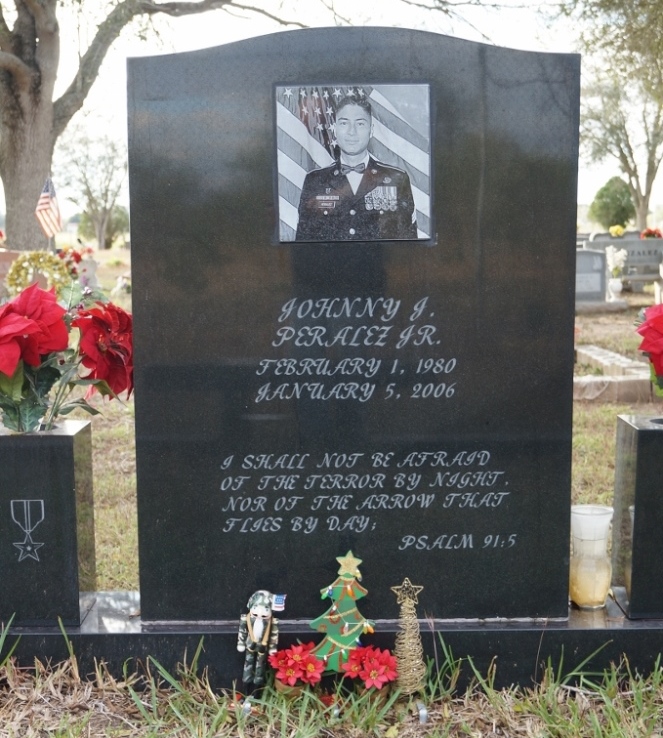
(116, 225)
(612, 204)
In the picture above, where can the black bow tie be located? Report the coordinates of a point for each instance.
(345, 168)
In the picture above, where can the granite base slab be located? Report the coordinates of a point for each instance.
(112, 631)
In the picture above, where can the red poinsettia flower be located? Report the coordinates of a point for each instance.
(312, 669)
(388, 660)
(278, 660)
(352, 667)
(106, 345)
(374, 676)
(651, 331)
(297, 663)
(299, 652)
(290, 675)
(50, 331)
(13, 330)
(373, 666)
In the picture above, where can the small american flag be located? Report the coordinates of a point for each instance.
(47, 210)
(278, 604)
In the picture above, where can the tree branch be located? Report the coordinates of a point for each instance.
(108, 31)
(264, 13)
(22, 73)
(178, 9)
(5, 33)
(44, 15)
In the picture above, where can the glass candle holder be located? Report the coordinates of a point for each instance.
(591, 570)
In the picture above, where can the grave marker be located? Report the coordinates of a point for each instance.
(590, 275)
(408, 399)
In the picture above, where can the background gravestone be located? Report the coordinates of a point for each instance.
(409, 400)
(590, 275)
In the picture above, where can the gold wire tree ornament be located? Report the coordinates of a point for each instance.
(408, 651)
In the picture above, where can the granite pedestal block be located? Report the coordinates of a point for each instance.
(638, 518)
(46, 524)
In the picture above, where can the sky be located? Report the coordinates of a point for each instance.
(105, 109)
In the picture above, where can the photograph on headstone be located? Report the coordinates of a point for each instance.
(353, 162)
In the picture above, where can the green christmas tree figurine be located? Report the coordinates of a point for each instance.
(342, 624)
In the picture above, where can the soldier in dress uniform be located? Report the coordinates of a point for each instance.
(357, 198)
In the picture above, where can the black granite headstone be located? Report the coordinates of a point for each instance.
(408, 399)
(637, 545)
(47, 524)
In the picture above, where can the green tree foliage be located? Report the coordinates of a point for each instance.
(94, 170)
(622, 120)
(116, 225)
(629, 30)
(622, 105)
(612, 204)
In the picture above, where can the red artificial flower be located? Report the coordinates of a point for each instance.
(297, 663)
(106, 345)
(651, 331)
(373, 666)
(312, 669)
(388, 660)
(374, 676)
(278, 660)
(45, 330)
(352, 667)
(290, 675)
(328, 700)
(13, 330)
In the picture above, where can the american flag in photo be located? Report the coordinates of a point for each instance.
(48, 211)
(305, 140)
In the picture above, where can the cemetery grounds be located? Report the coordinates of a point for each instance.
(56, 700)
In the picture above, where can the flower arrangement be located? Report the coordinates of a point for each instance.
(616, 259)
(651, 233)
(650, 327)
(374, 667)
(30, 265)
(72, 257)
(36, 358)
(616, 231)
(297, 665)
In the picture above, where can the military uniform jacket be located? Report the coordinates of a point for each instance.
(381, 209)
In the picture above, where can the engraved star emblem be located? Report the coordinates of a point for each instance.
(287, 92)
(28, 549)
(325, 94)
(407, 591)
(349, 565)
(337, 93)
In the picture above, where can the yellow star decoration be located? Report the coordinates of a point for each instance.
(407, 591)
(349, 565)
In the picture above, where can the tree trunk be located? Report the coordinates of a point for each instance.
(25, 168)
(641, 212)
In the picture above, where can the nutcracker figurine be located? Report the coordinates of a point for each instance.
(259, 634)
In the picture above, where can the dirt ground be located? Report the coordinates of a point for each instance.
(615, 331)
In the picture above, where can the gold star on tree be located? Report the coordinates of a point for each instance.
(407, 591)
(349, 565)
